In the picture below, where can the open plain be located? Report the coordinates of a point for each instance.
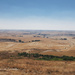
(57, 43)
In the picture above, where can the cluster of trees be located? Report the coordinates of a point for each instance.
(63, 39)
(21, 41)
(47, 57)
(29, 41)
(35, 40)
(8, 40)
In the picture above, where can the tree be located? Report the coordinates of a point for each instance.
(20, 41)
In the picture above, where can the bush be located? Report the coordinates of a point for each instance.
(20, 41)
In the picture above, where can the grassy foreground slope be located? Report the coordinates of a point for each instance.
(13, 65)
(36, 67)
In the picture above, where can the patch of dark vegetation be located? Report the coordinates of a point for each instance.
(20, 41)
(47, 57)
(63, 39)
(36, 40)
(8, 40)
(36, 56)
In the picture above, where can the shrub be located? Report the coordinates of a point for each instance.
(20, 41)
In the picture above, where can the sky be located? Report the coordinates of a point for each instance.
(37, 14)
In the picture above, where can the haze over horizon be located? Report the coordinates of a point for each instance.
(37, 14)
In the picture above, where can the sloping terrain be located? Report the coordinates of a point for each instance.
(44, 46)
(50, 43)
(35, 67)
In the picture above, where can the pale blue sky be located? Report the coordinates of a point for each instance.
(37, 14)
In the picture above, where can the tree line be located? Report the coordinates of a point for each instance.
(46, 57)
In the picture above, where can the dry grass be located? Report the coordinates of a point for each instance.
(48, 46)
(36, 67)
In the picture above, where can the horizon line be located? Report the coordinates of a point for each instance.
(36, 30)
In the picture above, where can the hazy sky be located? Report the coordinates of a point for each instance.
(37, 14)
